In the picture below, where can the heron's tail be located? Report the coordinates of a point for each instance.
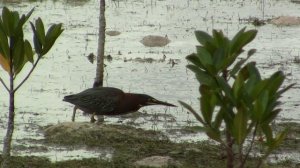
(68, 98)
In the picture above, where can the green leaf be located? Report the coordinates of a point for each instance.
(275, 81)
(271, 116)
(240, 126)
(254, 85)
(7, 20)
(4, 47)
(258, 88)
(268, 132)
(238, 42)
(228, 115)
(241, 39)
(195, 60)
(260, 106)
(202, 76)
(40, 31)
(29, 14)
(207, 106)
(28, 51)
(222, 83)
(218, 38)
(204, 56)
(277, 140)
(213, 134)
(238, 66)
(218, 120)
(18, 31)
(37, 44)
(221, 43)
(219, 59)
(202, 37)
(18, 56)
(252, 70)
(197, 116)
(52, 34)
(237, 86)
(15, 31)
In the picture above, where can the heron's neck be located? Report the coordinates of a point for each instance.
(131, 102)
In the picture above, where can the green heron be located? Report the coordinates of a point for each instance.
(110, 101)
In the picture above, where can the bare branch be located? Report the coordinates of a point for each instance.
(3, 83)
(31, 70)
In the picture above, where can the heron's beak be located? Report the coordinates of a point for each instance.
(158, 102)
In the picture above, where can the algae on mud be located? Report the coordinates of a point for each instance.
(129, 145)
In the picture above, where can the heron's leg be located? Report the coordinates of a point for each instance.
(93, 118)
(74, 112)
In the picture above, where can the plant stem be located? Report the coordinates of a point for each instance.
(260, 162)
(241, 156)
(250, 147)
(3, 83)
(25, 79)
(10, 123)
(229, 140)
(229, 150)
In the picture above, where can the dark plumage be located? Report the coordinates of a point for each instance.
(110, 101)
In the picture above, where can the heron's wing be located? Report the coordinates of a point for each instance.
(99, 100)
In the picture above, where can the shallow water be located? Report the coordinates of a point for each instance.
(66, 70)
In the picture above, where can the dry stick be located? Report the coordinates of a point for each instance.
(100, 52)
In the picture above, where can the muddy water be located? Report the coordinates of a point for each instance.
(66, 70)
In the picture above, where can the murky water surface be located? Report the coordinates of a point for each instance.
(66, 70)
